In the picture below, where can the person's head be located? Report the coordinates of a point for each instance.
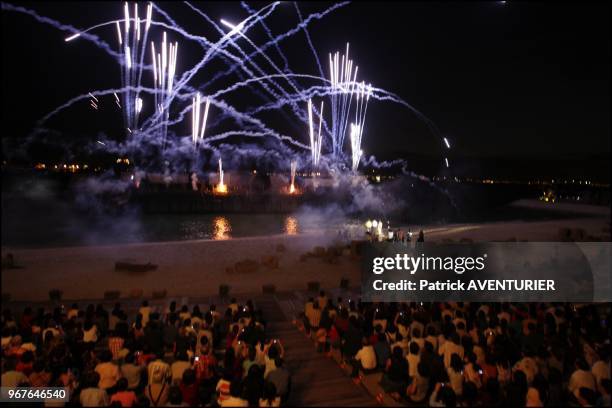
(182, 356)
(587, 397)
(129, 358)
(145, 303)
(38, 366)
(423, 369)
(9, 364)
(189, 376)
(447, 397)
(122, 384)
(397, 352)
(520, 379)
(278, 361)
(581, 364)
(175, 396)
(92, 379)
(416, 333)
(456, 363)
(106, 356)
(27, 357)
(235, 389)
(414, 348)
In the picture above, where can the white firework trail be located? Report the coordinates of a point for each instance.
(315, 142)
(342, 78)
(164, 70)
(198, 123)
(293, 171)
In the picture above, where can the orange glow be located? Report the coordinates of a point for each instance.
(221, 228)
(291, 188)
(291, 226)
(221, 188)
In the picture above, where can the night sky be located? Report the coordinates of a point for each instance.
(510, 80)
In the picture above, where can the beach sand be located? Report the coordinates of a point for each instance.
(197, 268)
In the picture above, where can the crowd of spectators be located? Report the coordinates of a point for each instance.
(179, 356)
(470, 354)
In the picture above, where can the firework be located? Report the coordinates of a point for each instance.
(198, 126)
(164, 69)
(293, 171)
(342, 78)
(315, 142)
(221, 187)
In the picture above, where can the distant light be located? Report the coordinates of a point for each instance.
(72, 37)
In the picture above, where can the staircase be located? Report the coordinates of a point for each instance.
(316, 380)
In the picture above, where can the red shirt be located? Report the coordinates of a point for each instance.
(25, 368)
(203, 367)
(126, 398)
(190, 394)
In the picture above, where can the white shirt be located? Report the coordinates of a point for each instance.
(367, 356)
(579, 379)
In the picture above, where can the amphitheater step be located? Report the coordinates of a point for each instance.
(316, 379)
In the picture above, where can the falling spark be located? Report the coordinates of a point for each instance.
(102, 143)
(138, 104)
(92, 95)
(72, 37)
(446, 143)
(446, 161)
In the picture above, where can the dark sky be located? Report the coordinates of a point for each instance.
(498, 79)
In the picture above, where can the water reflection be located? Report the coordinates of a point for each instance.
(291, 226)
(221, 228)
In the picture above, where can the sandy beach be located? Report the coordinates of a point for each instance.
(197, 268)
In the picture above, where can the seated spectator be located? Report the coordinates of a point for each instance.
(125, 397)
(270, 397)
(395, 379)
(145, 312)
(365, 359)
(25, 363)
(189, 388)
(223, 386)
(39, 376)
(417, 391)
(158, 390)
(234, 400)
(281, 378)
(108, 371)
(131, 372)
(91, 395)
(178, 367)
(604, 399)
(442, 396)
(581, 378)
(158, 370)
(381, 348)
(12, 378)
(175, 398)
(413, 359)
